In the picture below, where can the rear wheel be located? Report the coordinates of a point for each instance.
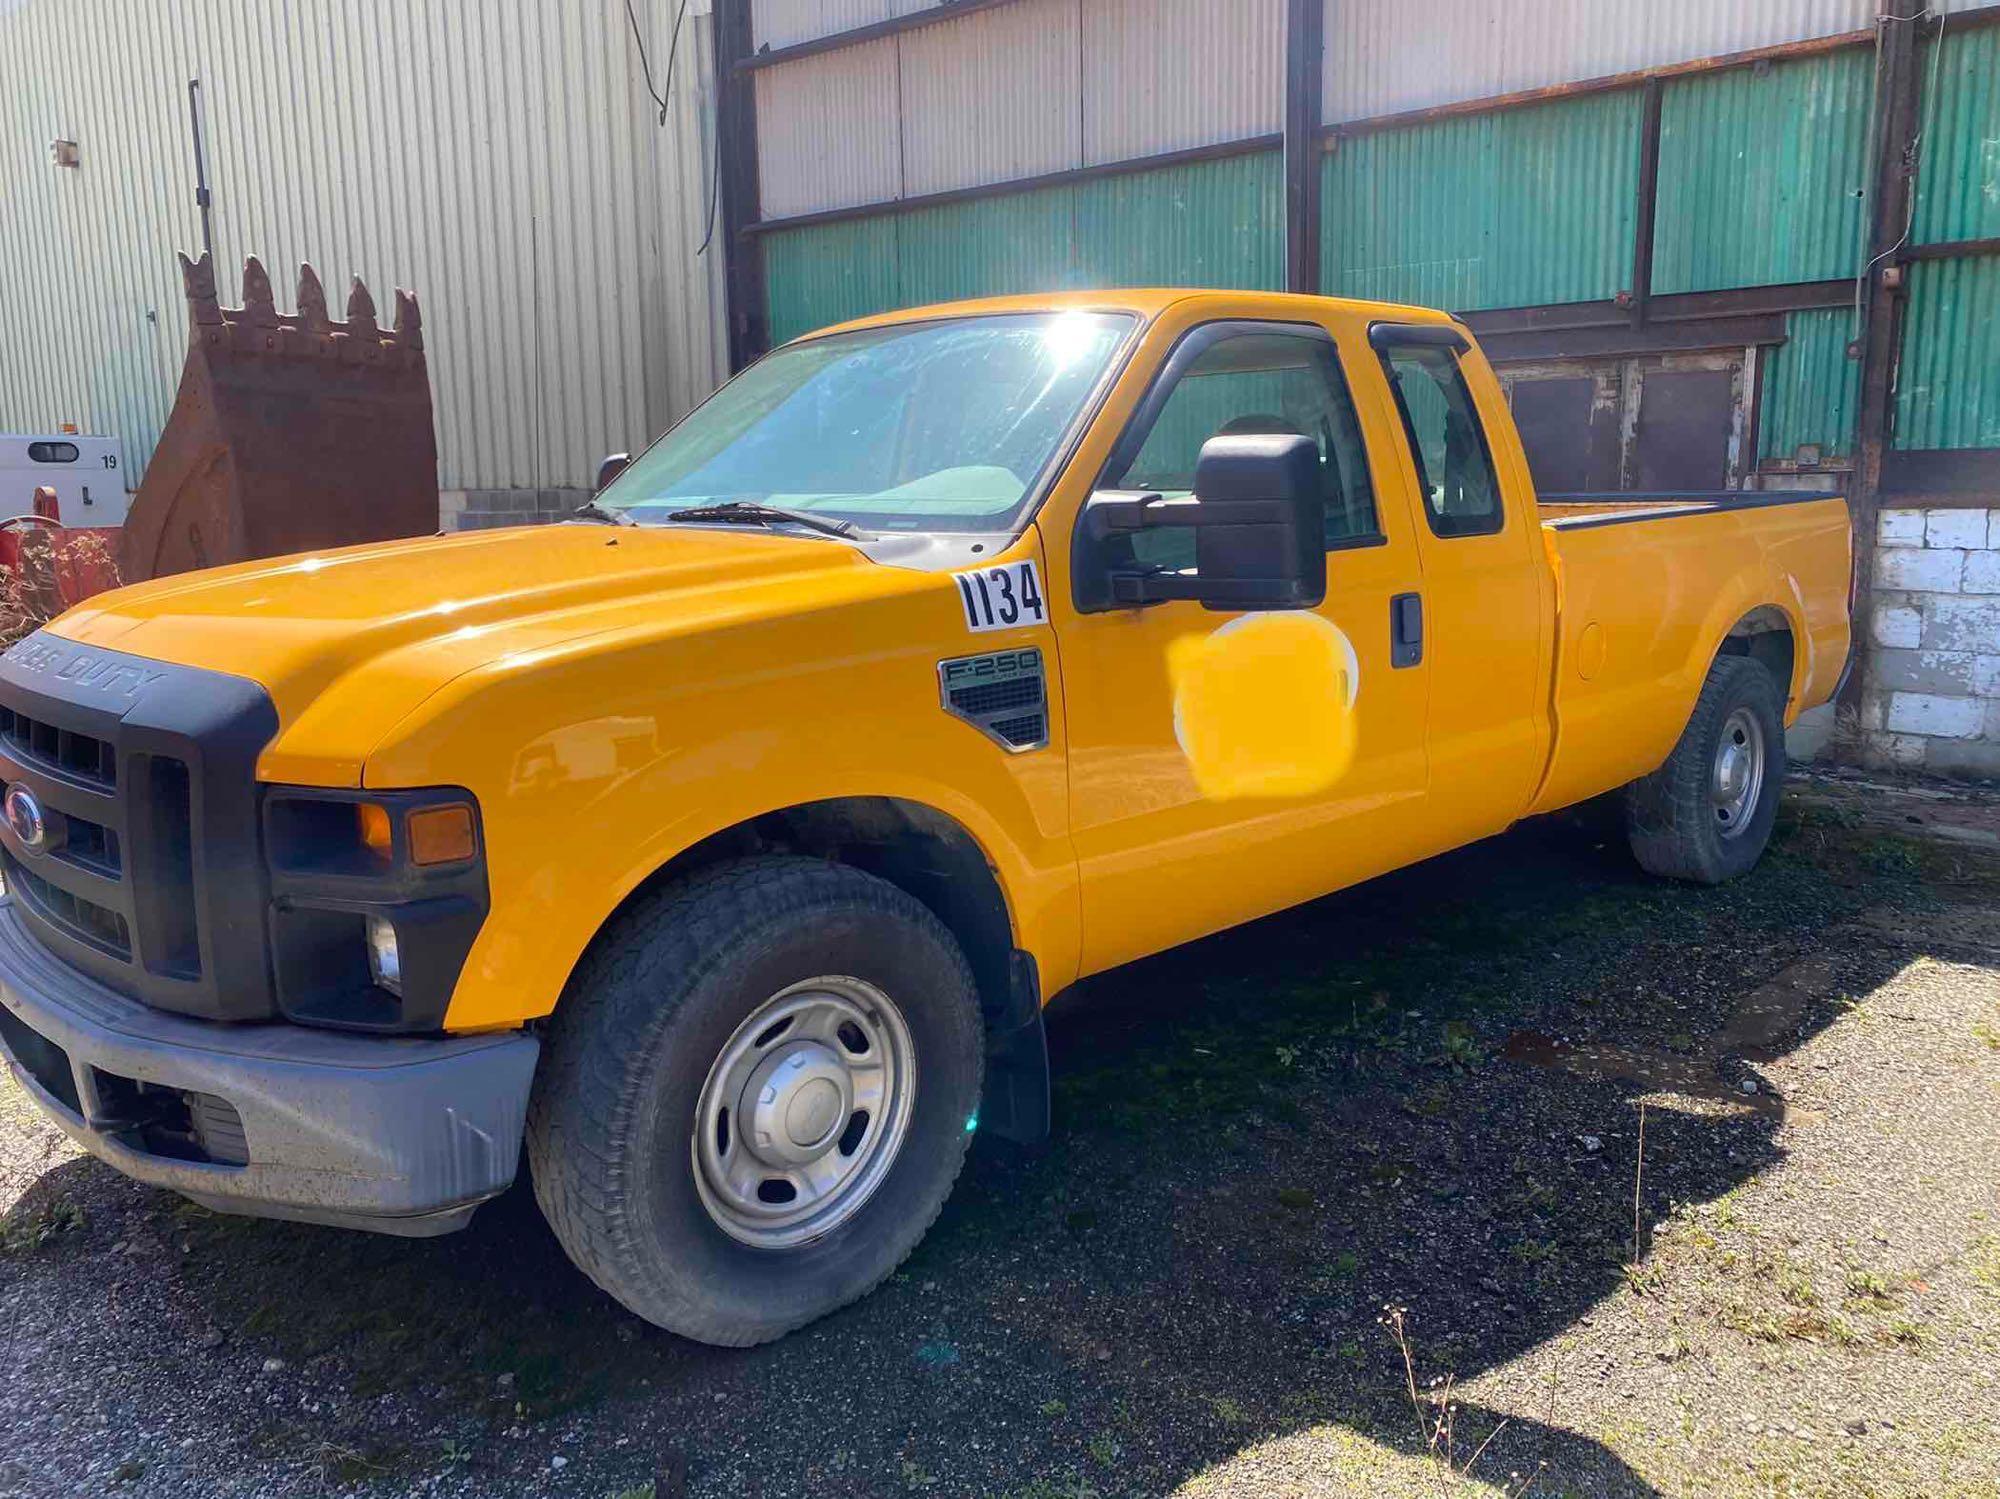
(1706, 814)
(756, 1096)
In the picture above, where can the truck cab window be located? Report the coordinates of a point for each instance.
(1447, 443)
(1281, 381)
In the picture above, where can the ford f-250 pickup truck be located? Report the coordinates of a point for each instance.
(725, 843)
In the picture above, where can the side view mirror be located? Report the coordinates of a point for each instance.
(1259, 532)
(610, 468)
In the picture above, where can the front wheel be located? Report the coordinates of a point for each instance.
(1706, 815)
(756, 1096)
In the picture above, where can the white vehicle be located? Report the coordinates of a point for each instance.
(87, 473)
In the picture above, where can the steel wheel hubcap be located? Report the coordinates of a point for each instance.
(1737, 779)
(803, 1112)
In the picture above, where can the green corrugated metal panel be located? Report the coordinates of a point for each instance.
(1761, 174)
(1948, 384)
(1213, 223)
(1514, 209)
(1812, 390)
(828, 273)
(987, 247)
(1958, 185)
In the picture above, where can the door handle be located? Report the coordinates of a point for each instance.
(1406, 629)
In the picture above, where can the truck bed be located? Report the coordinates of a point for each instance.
(1648, 584)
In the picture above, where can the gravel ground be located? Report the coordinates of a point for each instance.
(1426, 1094)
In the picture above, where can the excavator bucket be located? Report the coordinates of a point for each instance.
(289, 433)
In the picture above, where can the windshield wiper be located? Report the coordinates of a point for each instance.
(757, 512)
(592, 511)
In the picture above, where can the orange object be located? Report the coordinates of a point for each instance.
(442, 835)
(374, 822)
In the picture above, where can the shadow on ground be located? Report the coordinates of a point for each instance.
(1262, 1140)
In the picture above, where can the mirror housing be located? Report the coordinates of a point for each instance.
(1259, 532)
(609, 468)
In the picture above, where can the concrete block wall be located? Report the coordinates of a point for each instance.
(483, 509)
(1931, 651)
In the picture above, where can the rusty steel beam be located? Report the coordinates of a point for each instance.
(1304, 45)
(854, 36)
(1951, 249)
(1898, 116)
(1217, 151)
(1648, 206)
(1817, 46)
(745, 309)
(1673, 307)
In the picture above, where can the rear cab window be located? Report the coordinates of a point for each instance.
(1455, 475)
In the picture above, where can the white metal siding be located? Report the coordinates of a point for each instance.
(503, 161)
(1385, 56)
(991, 97)
(1159, 75)
(784, 23)
(827, 130)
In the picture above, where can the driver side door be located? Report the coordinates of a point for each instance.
(1224, 764)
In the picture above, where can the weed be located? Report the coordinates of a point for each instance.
(1985, 1261)
(30, 1232)
(1437, 1418)
(1103, 1450)
(1053, 1408)
(1226, 1410)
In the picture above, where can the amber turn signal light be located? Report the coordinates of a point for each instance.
(441, 835)
(374, 821)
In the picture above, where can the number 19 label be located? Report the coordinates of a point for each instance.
(1002, 598)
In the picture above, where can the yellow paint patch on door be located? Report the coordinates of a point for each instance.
(1264, 706)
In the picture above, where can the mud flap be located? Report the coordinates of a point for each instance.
(1016, 1103)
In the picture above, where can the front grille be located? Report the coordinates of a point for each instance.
(63, 751)
(150, 877)
(84, 920)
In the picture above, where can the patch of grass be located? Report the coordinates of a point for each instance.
(1103, 1450)
(1870, 1291)
(1227, 1410)
(25, 1233)
(1984, 1260)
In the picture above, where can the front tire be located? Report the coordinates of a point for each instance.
(1706, 815)
(756, 1096)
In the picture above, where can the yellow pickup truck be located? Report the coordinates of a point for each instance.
(724, 844)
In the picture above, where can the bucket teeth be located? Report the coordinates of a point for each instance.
(198, 280)
(312, 301)
(361, 312)
(409, 320)
(260, 310)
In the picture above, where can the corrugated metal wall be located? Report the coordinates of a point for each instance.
(1024, 89)
(1948, 384)
(1213, 223)
(1496, 210)
(1763, 173)
(504, 161)
(1386, 56)
(1812, 390)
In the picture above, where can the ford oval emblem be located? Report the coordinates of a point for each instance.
(24, 816)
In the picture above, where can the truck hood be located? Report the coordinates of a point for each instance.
(348, 642)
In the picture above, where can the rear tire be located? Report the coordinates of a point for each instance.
(773, 1026)
(1705, 816)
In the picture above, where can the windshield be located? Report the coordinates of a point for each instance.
(935, 426)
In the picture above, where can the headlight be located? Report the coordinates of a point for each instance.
(377, 897)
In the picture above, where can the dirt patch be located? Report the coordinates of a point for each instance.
(1264, 1140)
